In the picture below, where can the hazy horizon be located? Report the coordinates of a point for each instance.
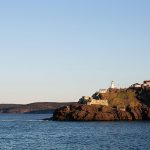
(58, 51)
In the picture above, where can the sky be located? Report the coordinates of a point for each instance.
(58, 51)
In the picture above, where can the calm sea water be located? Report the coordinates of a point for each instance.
(29, 132)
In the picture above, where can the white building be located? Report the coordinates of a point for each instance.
(101, 91)
(146, 82)
(86, 97)
(98, 102)
(112, 85)
(90, 101)
(136, 85)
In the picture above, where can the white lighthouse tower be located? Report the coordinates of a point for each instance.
(112, 85)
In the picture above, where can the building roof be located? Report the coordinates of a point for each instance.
(136, 84)
(147, 81)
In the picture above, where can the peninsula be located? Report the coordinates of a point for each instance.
(112, 104)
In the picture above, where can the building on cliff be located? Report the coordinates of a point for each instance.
(97, 98)
(147, 83)
(102, 91)
(136, 85)
(91, 101)
(98, 102)
(112, 85)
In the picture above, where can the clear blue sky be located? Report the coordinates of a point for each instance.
(60, 50)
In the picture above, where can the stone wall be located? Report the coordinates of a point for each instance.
(98, 102)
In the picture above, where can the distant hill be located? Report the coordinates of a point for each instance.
(39, 107)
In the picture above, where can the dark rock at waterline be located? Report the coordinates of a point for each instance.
(48, 119)
(80, 112)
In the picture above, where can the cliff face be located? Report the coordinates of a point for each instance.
(100, 113)
(130, 104)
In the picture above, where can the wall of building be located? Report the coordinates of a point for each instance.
(98, 102)
(103, 91)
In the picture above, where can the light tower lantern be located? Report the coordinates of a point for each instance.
(112, 85)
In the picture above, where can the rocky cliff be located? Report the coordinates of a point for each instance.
(124, 104)
(100, 113)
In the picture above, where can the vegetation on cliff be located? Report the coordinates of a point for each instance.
(122, 98)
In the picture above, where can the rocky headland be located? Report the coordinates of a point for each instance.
(123, 104)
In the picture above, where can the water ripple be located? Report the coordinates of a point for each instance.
(21, 132)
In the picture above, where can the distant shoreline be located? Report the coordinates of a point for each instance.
(32, 108)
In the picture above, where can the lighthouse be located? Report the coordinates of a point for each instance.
(112, 85)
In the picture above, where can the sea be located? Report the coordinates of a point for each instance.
(31, 132)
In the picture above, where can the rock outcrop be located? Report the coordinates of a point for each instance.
(123, 104)
(80, 112)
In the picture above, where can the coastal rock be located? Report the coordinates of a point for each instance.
(122, 104)
(103, 116)
(99, 113)
(124, 115)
